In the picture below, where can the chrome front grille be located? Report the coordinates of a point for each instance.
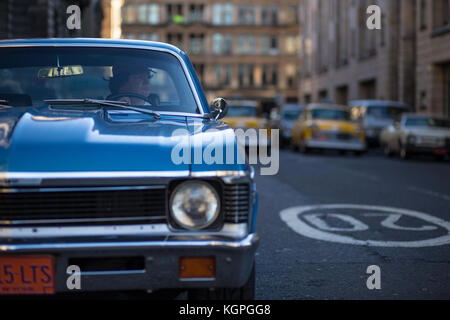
(236, 203)
(72, 205)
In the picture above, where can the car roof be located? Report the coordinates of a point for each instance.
(377, 103)
(325, 106)
(292, 106)
(89, 42)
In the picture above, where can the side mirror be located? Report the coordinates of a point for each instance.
(218, 108)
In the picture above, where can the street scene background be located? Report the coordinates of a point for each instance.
(327, 215)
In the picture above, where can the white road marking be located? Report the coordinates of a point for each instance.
(315, 220)
(292, 217)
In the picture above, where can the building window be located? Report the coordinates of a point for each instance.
(176, 39)
(196, 43)
(368, 89)
(222, 44)
(153, 14)
(323, 95)
(269, 75)
(196, 12)
(175, 13)
(269, 15)
(246, 75)
(291, 76)
(423, 14)
(223, 14)
(241, 75)
(274, 45)
(441, 13)
(246, 14)
(200, 70)
(292, 14)
(307, 98)
(341, 95)
(246, 44)
(292, 44)
(265, 41)
(129, 14)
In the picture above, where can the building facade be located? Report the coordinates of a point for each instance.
(407, 60)
(239, 48)
(433, 57)
(47, 19)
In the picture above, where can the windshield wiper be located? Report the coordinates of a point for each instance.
(105, 103)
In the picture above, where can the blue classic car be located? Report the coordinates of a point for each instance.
(116, 175)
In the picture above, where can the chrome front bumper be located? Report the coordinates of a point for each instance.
(336, 145)
(234, 260)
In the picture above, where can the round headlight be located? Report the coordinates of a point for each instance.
(194, 205)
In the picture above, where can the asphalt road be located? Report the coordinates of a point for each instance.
(408, 248)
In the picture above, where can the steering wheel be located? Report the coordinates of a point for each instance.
(134, 95)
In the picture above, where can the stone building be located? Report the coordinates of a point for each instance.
(407, 60)
(239, 48)
(433, 57)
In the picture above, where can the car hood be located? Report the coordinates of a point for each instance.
(430, 132)
(63, 140)
(335, 125)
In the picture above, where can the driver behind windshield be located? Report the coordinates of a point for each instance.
(130, 83)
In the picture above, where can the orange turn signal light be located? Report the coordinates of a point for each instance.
(197, 267)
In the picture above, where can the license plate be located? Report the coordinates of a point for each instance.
(27, 275)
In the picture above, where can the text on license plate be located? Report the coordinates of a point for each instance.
(27, 275)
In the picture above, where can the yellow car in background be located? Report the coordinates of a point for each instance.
(244, 114)
(327, 126)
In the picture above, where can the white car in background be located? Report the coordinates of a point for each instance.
(417, 134)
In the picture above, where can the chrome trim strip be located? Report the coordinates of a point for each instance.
(8, 179)
(221, 174)
(111, 273)
(77, 189)
(35, 178)
(160, 229)
(72, 221)
(248, 242)
(125, 46)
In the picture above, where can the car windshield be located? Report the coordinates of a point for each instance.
(290, 115)
(242, 111)
(384, 112)
(30, 75)
(427, 122)
(330, 114)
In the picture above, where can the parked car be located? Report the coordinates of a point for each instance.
(417, 134)
(89, 178)
(327, 126)
(289, 113)
(244, 114)
(375, 115)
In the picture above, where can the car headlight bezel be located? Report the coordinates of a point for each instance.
(180, 220)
